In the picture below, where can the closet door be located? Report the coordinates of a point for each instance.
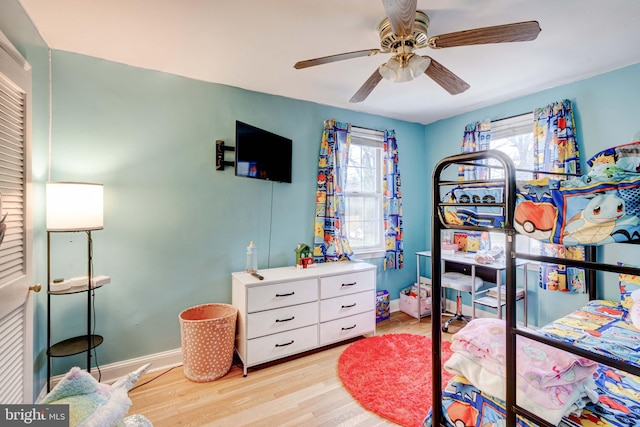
(16, 299)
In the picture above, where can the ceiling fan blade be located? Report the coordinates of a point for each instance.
(517, 32)
(334, 58)
(445, 78)
(367, 87)
(401, 14)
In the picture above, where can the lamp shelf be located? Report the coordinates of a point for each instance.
(81, 344)
(75, 345)
(76, 289)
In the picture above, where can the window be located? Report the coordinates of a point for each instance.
(363, 192)
(514, 137)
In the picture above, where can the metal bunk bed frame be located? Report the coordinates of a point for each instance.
(512, 329)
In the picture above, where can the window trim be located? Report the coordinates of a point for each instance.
(371, 138)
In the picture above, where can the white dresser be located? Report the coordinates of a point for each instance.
(294, 310)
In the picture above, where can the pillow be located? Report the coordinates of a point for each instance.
(625, 156)
(635, 314)
(629, 290)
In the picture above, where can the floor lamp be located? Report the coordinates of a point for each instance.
(72, 207)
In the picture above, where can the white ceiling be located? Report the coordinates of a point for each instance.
(253, 44)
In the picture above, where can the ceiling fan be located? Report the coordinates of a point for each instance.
(405, 30)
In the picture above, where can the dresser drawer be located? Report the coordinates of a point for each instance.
(347, 305)
(283, 294)
(284, 344)
(347, 327)
(349, 283)
(281, 319)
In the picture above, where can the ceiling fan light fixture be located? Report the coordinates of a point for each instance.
(390, 69)
(403, 75)
(417, 64)
(395, 72)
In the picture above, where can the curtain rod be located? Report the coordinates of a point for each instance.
(369, 129)
(513, 116)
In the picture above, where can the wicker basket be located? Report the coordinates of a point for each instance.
(208, 335)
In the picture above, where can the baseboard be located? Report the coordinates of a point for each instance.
(110, 373)
(394, 305)
(159, 362)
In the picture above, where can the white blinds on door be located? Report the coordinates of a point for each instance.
(12, 178)
(11, 357)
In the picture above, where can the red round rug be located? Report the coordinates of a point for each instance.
(391, 375)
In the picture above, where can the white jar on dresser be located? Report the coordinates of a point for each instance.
(294, 310)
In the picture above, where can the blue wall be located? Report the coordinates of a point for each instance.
(607, 110)
(175, 228)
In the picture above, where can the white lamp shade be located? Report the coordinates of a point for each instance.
(394, 71)
(403, 75)
(74, 206)
(389, 70)
(417, 64)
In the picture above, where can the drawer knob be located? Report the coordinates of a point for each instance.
(349, 284)
(286, 344)
(350, 327)
(349, 306)
(285, 320)
(285, 295)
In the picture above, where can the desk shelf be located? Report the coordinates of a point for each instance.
(482, 296)
(492, 302)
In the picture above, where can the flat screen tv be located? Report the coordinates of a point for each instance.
(261, 154)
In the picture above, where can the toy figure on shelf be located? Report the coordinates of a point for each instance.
(303, 255)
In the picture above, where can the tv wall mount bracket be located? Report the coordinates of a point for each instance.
(220, 161)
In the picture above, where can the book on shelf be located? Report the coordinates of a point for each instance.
(503, 293)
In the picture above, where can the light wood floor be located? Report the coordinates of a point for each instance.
(299, 391)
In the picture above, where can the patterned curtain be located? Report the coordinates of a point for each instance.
(554, 277)
(554, 135)
(477, 137)
(556, 150)
(330, 240)
(392, 206)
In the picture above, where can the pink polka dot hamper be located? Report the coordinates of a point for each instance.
(208, 336)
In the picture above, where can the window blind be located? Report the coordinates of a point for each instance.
(515, 125)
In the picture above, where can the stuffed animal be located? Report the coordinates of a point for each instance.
(97, 404)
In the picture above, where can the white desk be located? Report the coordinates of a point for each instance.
(484, 299)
